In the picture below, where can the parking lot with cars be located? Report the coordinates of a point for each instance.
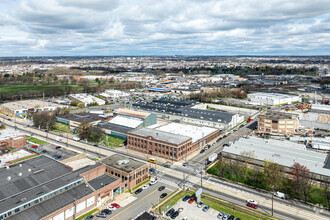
(55, 151)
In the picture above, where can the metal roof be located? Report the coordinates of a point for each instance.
(101, 181)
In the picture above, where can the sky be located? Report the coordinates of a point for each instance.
(164, 27)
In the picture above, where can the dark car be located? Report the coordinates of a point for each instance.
(170, 212)
(163, 195)
(186, 198)
(167, 165)
(231, 217)
(106, 211)
(185, 164)
(224, 136)
(237, 219)
(152, 170)
(138, 191)
(58, 147)
(95, 145)
(44, 151)
(101, 215)
(174, 215)
(202, 151)
(161, 188)
(57, 156)
(89, 217)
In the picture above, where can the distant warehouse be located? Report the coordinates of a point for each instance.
(263, 98)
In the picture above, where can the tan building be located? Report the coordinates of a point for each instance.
(11, 138)
(278, 123)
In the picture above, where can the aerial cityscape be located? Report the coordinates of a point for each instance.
(145, 110)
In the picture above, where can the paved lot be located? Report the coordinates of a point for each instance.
(52, 151)
(193, 212)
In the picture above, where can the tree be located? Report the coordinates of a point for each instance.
(96, 134)
(84, 130)
(44, 120)
(248, 156)
(302, 182)
(325, 185)
(273, 174)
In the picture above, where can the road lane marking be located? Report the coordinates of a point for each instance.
(134, 204)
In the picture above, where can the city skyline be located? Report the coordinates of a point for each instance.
(92, 28)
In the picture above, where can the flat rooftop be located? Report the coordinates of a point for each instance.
(272, 95)
(131, 166)
(86, 98)
(128, 112)
(278, 115)
(5, 133)
(28, 104)
(115, 128)
(101, 181)
(160, 135)
(194, 132)
(126, 122)
(281, 152)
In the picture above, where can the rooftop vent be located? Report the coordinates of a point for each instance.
(19, 174)
(8, 178)
(38, 171)
(29, 170)
(20, 165)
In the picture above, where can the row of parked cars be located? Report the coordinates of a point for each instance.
(108, 211)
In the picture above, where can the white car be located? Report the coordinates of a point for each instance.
(251, 201)
(111, 208)
(185, 218)
(145, 186)
(152, 182)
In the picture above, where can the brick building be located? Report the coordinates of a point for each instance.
(130, 171)
(12, 138)
(173, 141)
(278, 122)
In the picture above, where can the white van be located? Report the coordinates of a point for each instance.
(280, 195)
(76, 138)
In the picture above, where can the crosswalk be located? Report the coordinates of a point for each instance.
(174, 184)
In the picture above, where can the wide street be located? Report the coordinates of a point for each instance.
(172, 177)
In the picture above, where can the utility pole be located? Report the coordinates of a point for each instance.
(272, 200)
(201, 175)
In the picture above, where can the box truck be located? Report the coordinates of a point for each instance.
(213, 157)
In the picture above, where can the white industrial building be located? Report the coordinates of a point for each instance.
(267, 99)
(114, 94)
(282, 152)
(86, 99)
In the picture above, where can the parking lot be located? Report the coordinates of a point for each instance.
(192, 212)
(57, 153)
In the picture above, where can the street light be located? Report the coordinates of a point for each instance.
(272, 200)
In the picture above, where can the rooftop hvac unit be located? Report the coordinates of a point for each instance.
(19, 174)
(8, 178)
(119, 162)
(29, 170)
(126, 161)
(20, 165)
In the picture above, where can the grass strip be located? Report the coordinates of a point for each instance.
(87, 214)
(35, 140)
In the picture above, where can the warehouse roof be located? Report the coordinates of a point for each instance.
(10, 133)
(132, 113)
(282, 152)
(126, 122)
(53, 204)
(208, 115)
(194, 132)
(132, 164)
(29, 104)
(160, 135)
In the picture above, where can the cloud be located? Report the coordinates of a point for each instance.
(168, 27)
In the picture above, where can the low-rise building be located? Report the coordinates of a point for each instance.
(11, 138)
(114, 94)
(86, 99)
(131, 172)
(275, 122)
(270, 99)
(147, 119)
(27, 107)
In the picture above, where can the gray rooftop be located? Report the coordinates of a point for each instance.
(101, 181)
(131, 166)
(46, 175)
(10, 133)
(208, 115)
(282, 152)
(161, 135)
(53, 204)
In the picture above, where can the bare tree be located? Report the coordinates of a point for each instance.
(273, 173)
(84, 130)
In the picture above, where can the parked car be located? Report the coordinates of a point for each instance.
(191, 200)
(89, 217)
(170, 212)
(202, 151)
(231, 217)
(200, 204)
(44, 152)
(101, 215)
(187, 197)
(174, 215)
(207, 147)
(153, 182)
(225, 217)
(163, 195)
(57, 156)
(152, 170)
(161, 188)
(145, 186)
(206, 208)
(106, 211)
(138, 191)
(111, 208)
(220, 215)
(185, 164)
(58, 147)
(115, 205)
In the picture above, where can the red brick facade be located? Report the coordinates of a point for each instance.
(176, 152)
(14, 142)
